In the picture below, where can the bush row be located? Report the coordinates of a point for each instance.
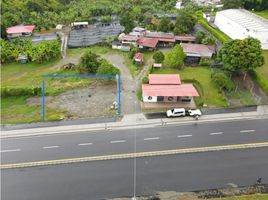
(33, 91)
(219, 35)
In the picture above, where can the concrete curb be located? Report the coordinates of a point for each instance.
(120, 125)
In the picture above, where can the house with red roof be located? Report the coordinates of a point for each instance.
(139, 58)
(18, 31)
(166, 91)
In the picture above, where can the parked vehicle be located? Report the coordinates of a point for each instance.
(180, 112)
(194, 113)
(176, 112)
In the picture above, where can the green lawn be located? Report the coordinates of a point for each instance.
(245, 197)
(15, 110)
(210, 95)
(263, 14)
(262, 73)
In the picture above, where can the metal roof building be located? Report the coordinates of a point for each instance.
(240, 24)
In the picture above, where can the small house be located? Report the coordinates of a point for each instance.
(167, 90)
(194, 52)
(139, 58)
(20, 31)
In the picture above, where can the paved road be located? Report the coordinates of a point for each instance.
(82, 144)
(107, 179)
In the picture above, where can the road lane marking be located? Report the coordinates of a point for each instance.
(135, 155)
(153, 138)
(117, 141)
(50, 147)
(84, 144)
(183, 136)
(247, 131)
(216, 133)
(9, 150)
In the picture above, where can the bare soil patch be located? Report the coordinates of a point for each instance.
(94, 101)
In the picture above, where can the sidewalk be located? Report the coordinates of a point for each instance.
(137, 121)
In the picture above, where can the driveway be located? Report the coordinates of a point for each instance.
(129, 101)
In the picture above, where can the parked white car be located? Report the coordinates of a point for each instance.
(176, 112)
(179, 112)
(194, 113)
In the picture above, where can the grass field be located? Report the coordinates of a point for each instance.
(263, 14)
(210, 96)
(262, 73)
(245, 197)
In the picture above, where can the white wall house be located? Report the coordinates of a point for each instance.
(240, 24)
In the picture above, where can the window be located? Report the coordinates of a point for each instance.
(170, 98)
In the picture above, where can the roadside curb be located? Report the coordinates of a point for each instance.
(120, 126)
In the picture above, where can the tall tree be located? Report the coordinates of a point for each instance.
(164, 24)
(158, 57)
(241, 55)
(89, 62)
(175, 57)
(184, 22)
(228, 4)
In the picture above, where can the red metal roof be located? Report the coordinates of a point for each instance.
(188, 38)
(167, 40)
(147, 42)
(20, 29)
(169, 90)
(139, 56)
(164, 79)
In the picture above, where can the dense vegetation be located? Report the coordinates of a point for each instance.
(39, 53)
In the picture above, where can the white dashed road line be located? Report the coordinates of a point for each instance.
(154, 138)
(183, 136)
(50, 147)
(84, 144)
(10, 150)
(117, 141)
(216, 133)
(247, 131)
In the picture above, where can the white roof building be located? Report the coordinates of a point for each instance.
(240, 24)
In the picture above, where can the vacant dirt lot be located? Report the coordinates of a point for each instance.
(94, 101)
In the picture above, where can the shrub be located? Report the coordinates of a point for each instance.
(222, 81)
(107, 68)
(133, 51)
(89, 62)
(210, 40)
(261, 80)
(204, 62)
(33, 91)
(158, 57)
(145, 80)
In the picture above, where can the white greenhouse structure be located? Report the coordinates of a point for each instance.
(240, 24)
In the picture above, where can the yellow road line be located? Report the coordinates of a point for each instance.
(137, 155)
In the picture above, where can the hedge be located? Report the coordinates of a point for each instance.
(8, 91)
(218, 34)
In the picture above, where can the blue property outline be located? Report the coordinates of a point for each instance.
(101, 76)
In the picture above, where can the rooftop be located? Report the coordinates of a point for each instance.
(245, 19)
(200, 49)
(138, 56)
(147, 42)
(20, 29)
(169, 90)
(164, 79)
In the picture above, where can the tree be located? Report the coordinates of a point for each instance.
(127, 20)
(210, 40)
(184, 23)
(175, 57)
(89, 62)
(133, 51)
(158, 57)
(107, 68)
(241, 55)
(228, 4)
(164, 24)
(199, 36)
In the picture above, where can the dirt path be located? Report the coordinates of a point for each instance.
(129, 101)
